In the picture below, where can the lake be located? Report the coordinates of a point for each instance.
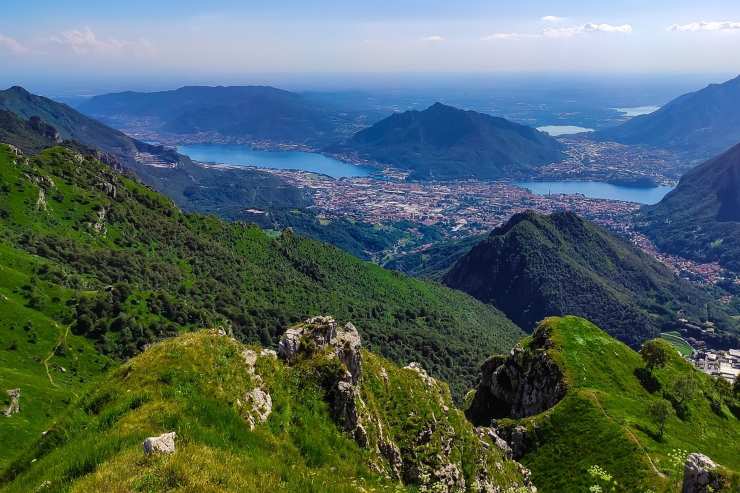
(633, 111)
(241, 155)
(598, 190)
(555, 130)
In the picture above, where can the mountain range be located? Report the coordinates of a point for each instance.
(700, 218)
(535, 266)
(245, 112)
(701, 123)
(443, 142)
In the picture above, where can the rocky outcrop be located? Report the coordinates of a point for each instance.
(517, 438)
(162, 444)
(15, 406)
(318, 333)
(322, 335)
(257, 402)
(525, 383)
(701, 475)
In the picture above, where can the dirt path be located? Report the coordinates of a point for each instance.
(631, 435)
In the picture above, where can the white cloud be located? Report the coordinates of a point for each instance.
(85, 41)
(512, 36)
(552, 18)
(568, 32)
(705, 26)
(12, 45)
(562, 32)
(433, 39)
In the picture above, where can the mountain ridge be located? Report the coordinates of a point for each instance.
(443, 142)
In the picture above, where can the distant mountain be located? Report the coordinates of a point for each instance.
(72, 125)
(702, 123)
(443, 142)
(537, 266)
(700, 218)
(250, 112)
(193, 187)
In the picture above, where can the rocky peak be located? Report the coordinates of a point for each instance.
(525, 383)
(318, 333)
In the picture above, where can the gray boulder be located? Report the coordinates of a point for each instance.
(162, 444)
(701, 475)
(14, 407)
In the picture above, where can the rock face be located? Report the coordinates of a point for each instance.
(317, 335)
(163, 444)
(525, 383)
(14, 407)
(257, 401)
(701, 475)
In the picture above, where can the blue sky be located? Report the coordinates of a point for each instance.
(169, 38)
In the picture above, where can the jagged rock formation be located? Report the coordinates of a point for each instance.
(701, 475)
(522, 384)
(14, 407)
(424, 457)
(322, 334)
(162, 444)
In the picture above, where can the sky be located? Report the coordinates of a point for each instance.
(163, 40)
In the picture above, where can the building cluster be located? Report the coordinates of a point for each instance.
(609, 161)
(719, 363)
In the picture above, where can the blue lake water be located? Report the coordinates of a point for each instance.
(240, 155)
(598, 190)
(555, 130)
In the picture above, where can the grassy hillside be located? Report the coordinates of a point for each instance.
(141, 270)
(195, 384)
(700, 218)
(603, 418)
(38, 353)
(536, 266)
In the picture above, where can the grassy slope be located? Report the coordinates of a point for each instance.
(172, 272)
(603, 419)
(191, 385)
(37, 353)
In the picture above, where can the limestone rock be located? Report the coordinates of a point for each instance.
(14, 150)
(490, 433)
(15, 406)
(259, 405)
(162, 444)
(701, 475)
(525, 383)
(517, 438)
(416, 367)
(317, 333)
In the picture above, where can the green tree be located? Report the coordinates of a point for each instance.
(659, 411)
(684, 388)
(654, 354)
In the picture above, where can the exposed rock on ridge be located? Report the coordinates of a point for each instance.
(525, 383)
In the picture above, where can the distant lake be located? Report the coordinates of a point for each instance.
(598, 190)
(241, 155)
(637, 110)
(555, 130)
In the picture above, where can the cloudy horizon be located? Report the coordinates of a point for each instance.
(168, 38)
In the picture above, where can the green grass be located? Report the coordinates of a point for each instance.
(603, 418)
(679, 343)
(192, 385)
